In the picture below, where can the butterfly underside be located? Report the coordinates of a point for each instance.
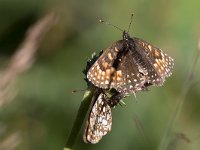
(129, 65)
(99, 121)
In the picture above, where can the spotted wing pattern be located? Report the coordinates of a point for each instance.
(102, 71)
(158, 60)
(99, 121)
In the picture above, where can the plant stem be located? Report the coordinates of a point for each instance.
(85, 104)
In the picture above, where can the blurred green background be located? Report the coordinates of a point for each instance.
(41, 113)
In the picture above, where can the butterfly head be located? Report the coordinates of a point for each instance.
(126, 36)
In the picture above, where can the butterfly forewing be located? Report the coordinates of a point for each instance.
(101, 73)
(99, 121)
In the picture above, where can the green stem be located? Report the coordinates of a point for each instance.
(85, 104)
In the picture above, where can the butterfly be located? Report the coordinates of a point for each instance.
(99, 121)
(130, 65)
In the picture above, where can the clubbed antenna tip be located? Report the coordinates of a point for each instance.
(101, 21)
(107, 23)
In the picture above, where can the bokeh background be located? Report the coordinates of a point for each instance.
(37, 107)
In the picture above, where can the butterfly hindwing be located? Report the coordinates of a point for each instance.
(159, 61)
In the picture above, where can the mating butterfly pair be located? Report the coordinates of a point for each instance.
(128, 65)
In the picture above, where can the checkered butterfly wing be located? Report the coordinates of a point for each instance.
(99, 121)
(129, 65)
(158, 60)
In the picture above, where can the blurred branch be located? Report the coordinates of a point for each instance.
(189, 82)
(140, 128)
(11, 142)
(24, 56)
(176, 139)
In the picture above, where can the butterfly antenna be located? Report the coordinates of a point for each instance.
(75, 91)
(130, 23)
(108, 23)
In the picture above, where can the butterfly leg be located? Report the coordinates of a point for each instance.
(114, 100)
